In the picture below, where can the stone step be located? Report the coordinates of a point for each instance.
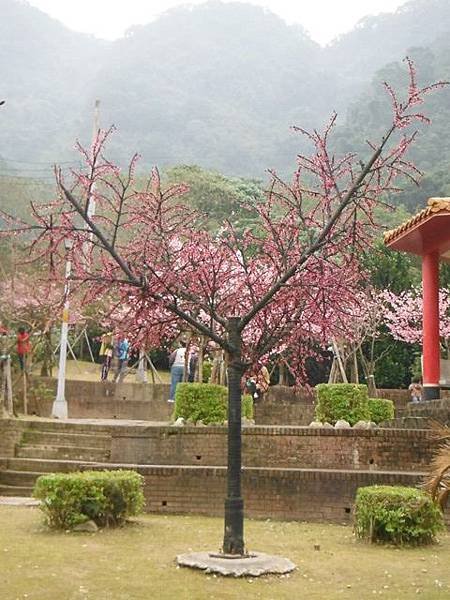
(19, 478)
(16, 491)
(63, 453)
(48, 466)
(70, 426)
(65, 438)
(407, 422)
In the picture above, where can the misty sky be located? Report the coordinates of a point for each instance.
(323, 19)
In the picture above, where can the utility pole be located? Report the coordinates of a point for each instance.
(91, 200)
(60, 407)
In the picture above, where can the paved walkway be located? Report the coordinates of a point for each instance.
(94, 421)
(18, 501)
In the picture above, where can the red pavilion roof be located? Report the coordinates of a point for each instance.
(427, 231)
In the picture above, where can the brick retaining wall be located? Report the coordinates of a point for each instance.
(268, 493)
(278, 447)
(93, 399)
(11, 431)
(107, 400)
(289, 472)
(289, 406)
(438, 410)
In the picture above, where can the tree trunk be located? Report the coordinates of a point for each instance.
(47, 360)
(282, 375)
(201, 352)
(233, 542)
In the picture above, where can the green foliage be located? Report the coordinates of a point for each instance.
(207, 369)
(395, 365)
(387, 269)
(41, 392)
(106, 497)
(347, 401)
(381, 410)
(368, 115)
(206, 402)
(217, 196)
(396, 514)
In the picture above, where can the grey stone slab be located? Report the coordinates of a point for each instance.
(254, 565)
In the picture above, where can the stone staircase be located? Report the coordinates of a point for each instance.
(47, 447)
(407, 422)
(289, 472)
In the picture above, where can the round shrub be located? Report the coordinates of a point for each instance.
(396, 514)
(337, 401)
(105, 497)
(206, 402)
(381, 410)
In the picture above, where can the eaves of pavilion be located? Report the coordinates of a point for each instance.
(427, 234)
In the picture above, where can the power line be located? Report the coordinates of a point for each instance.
(35, 162)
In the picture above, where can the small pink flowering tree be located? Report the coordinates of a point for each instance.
(30, 300)
(404, 312)
(361, 327)
(283, 284)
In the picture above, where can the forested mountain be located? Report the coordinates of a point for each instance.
(216, 85)
(378, 40)
(367, 118)
(44, 70)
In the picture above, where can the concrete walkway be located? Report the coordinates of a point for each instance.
(119, 422)
(18, 501)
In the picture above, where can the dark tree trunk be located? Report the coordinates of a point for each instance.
(47, 361)
(233, 542)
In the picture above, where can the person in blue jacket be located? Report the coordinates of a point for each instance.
(123, 351)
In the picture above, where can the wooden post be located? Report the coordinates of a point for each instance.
(25, 384)
(339, 362)
(6, 407)
(201, 350)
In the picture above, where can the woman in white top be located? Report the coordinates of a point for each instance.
(176, 362)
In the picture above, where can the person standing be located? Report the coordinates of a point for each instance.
(176, 363)
(23, 347)
(415, 390)
(106, 354)
(193, 363)
(123, 350)
(258, 383)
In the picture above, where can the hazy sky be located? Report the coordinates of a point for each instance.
(324, 19)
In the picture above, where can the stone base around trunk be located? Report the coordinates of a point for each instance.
(252, 565)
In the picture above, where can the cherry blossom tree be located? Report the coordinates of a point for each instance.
(404, 312)
(36, 302)
(284, 283)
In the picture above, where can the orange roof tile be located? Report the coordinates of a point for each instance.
(435, 205)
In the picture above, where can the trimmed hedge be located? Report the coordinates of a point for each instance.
(347, 401)
(396, 514)
(381, 410)
(105, 497)
(206, 402)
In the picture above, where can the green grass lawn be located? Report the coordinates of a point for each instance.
(82, 370)
(137, 562)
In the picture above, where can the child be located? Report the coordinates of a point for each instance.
(415, 390)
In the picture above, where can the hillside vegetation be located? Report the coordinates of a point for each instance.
(216, 85)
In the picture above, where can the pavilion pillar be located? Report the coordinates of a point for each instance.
(431, 347)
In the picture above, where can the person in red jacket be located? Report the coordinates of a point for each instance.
(23, 346)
